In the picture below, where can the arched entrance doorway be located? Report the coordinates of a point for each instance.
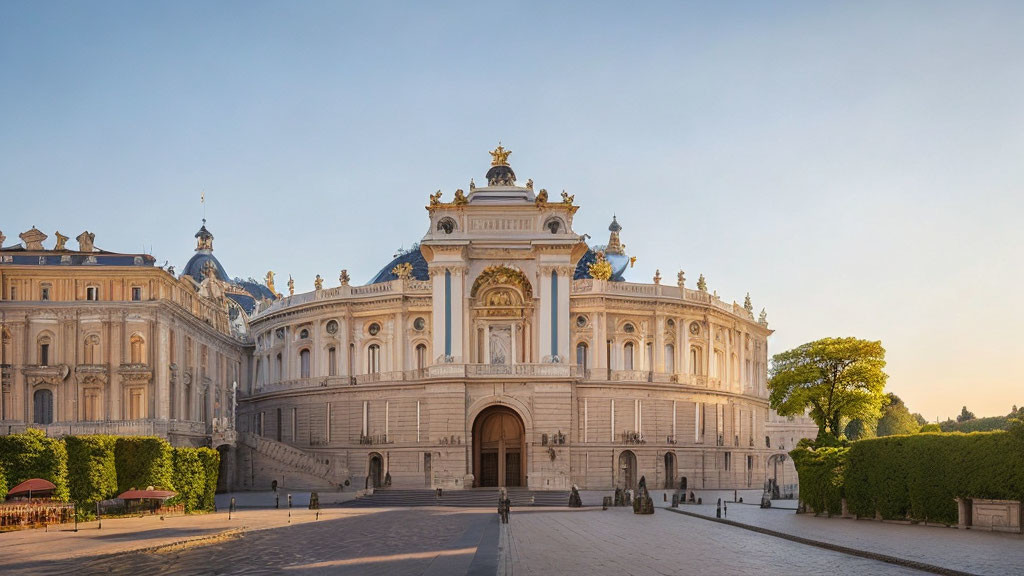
(376, 476)
(670, 470)
(499, 448)
(627, 470)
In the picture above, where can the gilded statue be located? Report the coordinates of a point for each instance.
(499, 156)
(567, 199)
(460, 198)
(291, 285)
(344, 277)
(435, 198)
(403, 271)
(318, 282)
(702, 284)
(600, 269)
(632, 259)
(542, 197)
(270, 282)
(529, 183)
(61, 240)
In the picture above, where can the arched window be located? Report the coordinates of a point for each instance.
(670, 358)
(374, 359)
(44, 350)
(92, 349)
(278, 368)
(581, 355)
(304, 364)
(695, 364)
(421, 356)
(627, 356)
(332, 361)
(42, 404)
(138, 349)
(719, 364)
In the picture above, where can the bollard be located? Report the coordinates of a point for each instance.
(289, 508)
(74, 508)
(231, 507)
(718, 509)
(277, 501)
(726, 509)
(99, 517)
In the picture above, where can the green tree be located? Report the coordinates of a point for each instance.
(921, 420)
(838, 379)
(965, 415)
(861, 428)
(896, 419)
(930, 428)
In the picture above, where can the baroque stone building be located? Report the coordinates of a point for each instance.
(502, 350)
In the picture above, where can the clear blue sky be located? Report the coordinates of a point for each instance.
(857, 167)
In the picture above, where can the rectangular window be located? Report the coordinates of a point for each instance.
(92, 293)
(327, 432)
(728, 460)
(45, 295)
(136, 293)
(14, 293)
(263, 418)
(44, 355)
(294, 426)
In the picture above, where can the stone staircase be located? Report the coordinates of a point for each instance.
(476, 498)
(294, 459)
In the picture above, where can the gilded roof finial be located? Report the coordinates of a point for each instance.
(499, 156)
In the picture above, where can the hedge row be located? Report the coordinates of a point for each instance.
(822, 473)
(33, 455)
(88, 469)
(914, 477)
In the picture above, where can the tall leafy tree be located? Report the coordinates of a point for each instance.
(837, 379)
(896, 419)
(965, 415)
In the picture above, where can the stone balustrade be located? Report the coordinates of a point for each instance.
(147, 427)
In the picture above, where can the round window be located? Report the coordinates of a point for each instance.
(419, 323)
(628, 328)
(694, 328)
(304, 334)
(332, 327)
(374, 329)
(581, 321)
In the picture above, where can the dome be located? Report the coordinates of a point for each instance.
(197, 263)
(420, 270)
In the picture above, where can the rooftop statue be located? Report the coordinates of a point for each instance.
(85, 241)
(542, 198)
(291, 285)
(681, 279)
(499, 156)
(270, 282)
(61, 240)
(435, 198)
(318, 282)
(33, 239)
(344, 277)
(702, 284)
(657, 276)
(567, 199)
(460, 198)
(747, 304)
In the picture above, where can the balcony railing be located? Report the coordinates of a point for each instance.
(590, 286)
(147, 427)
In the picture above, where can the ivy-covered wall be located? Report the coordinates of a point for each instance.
(33, 455)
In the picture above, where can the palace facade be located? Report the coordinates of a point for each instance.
(502, 350)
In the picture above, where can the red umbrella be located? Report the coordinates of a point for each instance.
(32, 485)
(147, 494)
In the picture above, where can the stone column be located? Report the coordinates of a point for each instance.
(658, 362)
(160, 371)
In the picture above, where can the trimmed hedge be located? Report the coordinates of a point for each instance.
(3, 483)
(195, 477)
(33, 455)
(915, 477)
(822, 472)
(92, 476)
(918, 477)
(211, 467)
(142, 462)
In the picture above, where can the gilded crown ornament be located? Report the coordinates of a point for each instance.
(499, 156)
(344, 278)
(318, 282)
(403, 271)
(702, 284)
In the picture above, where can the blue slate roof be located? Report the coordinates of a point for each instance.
(21, 257)
(194, 267)
(247, 302)
(414, 257)
(258, 291)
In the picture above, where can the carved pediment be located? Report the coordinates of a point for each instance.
(135, 373)
(53, 375)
